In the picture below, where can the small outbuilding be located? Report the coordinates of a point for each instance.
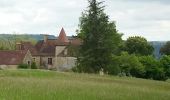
(11, 59)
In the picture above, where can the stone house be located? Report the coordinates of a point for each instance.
(53, 53)
(11, 59)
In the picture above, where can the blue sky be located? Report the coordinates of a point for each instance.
(148, 18)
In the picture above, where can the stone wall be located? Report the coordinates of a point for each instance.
(27, 58)
(65, 63)
(59, 49)
(58, 63)
(44, 62)
(8, 66)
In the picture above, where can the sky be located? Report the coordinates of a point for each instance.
(147, 18)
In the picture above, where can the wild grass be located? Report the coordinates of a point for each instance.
(51, 85)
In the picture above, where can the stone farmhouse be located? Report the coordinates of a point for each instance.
(57, 54)
(11, 59)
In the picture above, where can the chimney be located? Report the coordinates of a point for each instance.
(45, 38)
(19, 46)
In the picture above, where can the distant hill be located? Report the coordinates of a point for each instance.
(8, 41)
(26, 36)
(41, 36)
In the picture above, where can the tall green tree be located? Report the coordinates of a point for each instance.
(100, 39)
(139, 46)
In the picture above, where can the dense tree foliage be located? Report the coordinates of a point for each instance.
(100, 39)
(139, 46)
(3, 48)
(103, 49)
(165, 50)
(130, 65)
(153, 68)
(165, 63)
(73, 50)
(140, 66)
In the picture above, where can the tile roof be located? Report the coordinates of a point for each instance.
(76, 41)
(62, 37)
(47, 48)
(30, 47)
(12, 57)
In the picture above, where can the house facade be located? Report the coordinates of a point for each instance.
(11, 59)
(57, 54)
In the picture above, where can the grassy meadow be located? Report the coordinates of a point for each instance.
(51, 85)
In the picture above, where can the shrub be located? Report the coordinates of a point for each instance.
(153, 68)
(23, 66)
(159, 74)
(165, 63)
(130, 65)
(33, 65)
(126, 65)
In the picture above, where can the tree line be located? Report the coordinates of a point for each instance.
(103, 49)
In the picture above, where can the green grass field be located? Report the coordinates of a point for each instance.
(51, 85)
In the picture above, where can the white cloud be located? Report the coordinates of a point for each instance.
(148, 18)
(144, 18)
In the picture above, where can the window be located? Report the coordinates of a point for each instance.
(50, 61)
(34, 59)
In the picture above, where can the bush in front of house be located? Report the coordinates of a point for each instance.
(33, 65)
(23, 66)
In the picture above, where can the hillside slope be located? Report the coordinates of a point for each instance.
(48, 85)
(8, 41)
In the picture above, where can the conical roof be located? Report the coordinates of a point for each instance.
(62, 36)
